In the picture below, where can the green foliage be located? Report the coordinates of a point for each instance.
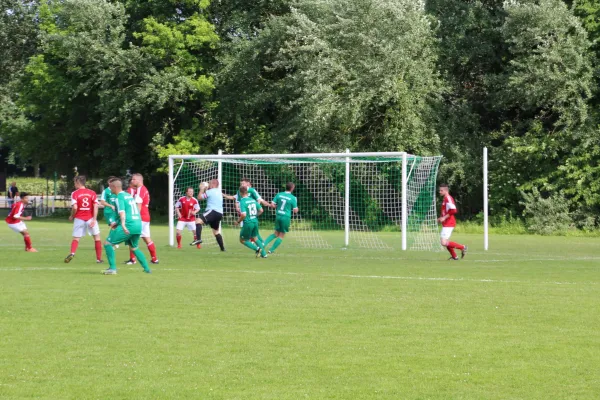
(546, 216)
(336, 74)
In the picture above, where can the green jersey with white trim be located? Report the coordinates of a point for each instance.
(251, 207)
(133, 220)
(285, 202)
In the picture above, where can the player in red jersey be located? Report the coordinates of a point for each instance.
(186, 208)
(448, 223)
(142, 197)
(84, 212)
(15, 221)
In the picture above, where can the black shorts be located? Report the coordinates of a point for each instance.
(212, 218)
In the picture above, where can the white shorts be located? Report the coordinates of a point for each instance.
(81, 227)
(19, 227)
(145, 229)
(191, 225)
(446, 232)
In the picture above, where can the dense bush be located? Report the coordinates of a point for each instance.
(546, 216)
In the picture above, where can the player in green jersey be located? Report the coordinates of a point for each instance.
(250, 209)
(284, 203)
(128, 231)
(252, 193)
(109, 201)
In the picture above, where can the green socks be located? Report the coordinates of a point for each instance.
(276, 244)
(141, 258)
(269, 239)
(260, 244)
(110, 254)
(250, 245)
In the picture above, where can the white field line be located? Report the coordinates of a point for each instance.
(352, 276)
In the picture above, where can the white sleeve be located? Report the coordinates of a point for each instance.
(178, 204)
(18, 214)
(73, 201)
(196, 206)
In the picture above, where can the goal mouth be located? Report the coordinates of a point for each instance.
(345, 200)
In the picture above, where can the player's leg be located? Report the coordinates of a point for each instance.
(95, 232)
(280, 236)
(199, 222)
(215, 224)
(445, 241)
(132, 259)
(271, 237)
(134, 242)
(25, 233)
(178, 229)
(259, 242)
(115, 236)
(79, 229)
(246, 235)
(149, 243)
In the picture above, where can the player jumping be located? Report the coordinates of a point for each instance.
(285, 203)
(250, 209)
(245, 182)
(142, 197)
(448, 223)
(186, 208)
(84, 212)
(15, 221)
(213, 214)
(128, 230)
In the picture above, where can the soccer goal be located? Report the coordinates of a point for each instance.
(346, 200)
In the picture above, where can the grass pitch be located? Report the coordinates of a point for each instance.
(518, 322)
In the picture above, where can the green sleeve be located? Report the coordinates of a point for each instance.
(258, 206)
(254, 194)
(295, 203)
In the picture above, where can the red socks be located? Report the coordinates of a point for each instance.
(74, 245)
(98, 244)
(27, 240)
(451, 251)
(456, 245)
(152, 250)
(131, 255)
(178, 240)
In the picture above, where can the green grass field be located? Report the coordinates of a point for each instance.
(518, 322)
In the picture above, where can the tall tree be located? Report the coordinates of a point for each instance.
(335, 74)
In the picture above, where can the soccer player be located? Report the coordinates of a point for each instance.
(213, 214)
(108, 200)
(252, 193)
(84, 211)
(142, 197)
(448, 223)
(250, 209)
(285, 203)
(186, 208)
(128, 230)
(15, 221)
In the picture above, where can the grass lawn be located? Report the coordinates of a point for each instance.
(521, 321)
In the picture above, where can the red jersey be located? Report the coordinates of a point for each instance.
(85, 199)
(449, 208)
(14, 217)
(187, 207)
(142, 197)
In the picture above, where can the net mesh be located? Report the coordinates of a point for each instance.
(375, 212)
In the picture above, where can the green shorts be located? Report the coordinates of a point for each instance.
(112, 220)
(117, 236)
(282, 224)
(249, 230)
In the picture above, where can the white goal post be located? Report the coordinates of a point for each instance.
(380, 200)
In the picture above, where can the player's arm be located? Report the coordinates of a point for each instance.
(95, 216)
(73, 208)
(122, 215)
(178, 208)
(295, 205)
(241, 218)
(228, 197)
(139, 201)
(196, 209)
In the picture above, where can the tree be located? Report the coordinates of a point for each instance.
(335, 74)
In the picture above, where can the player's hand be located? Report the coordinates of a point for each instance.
(26, 218)
(113, 207)
(70, 218)
(441, 219)
(92, 223)
(125, 229)
(236, 224)
(113, 225)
